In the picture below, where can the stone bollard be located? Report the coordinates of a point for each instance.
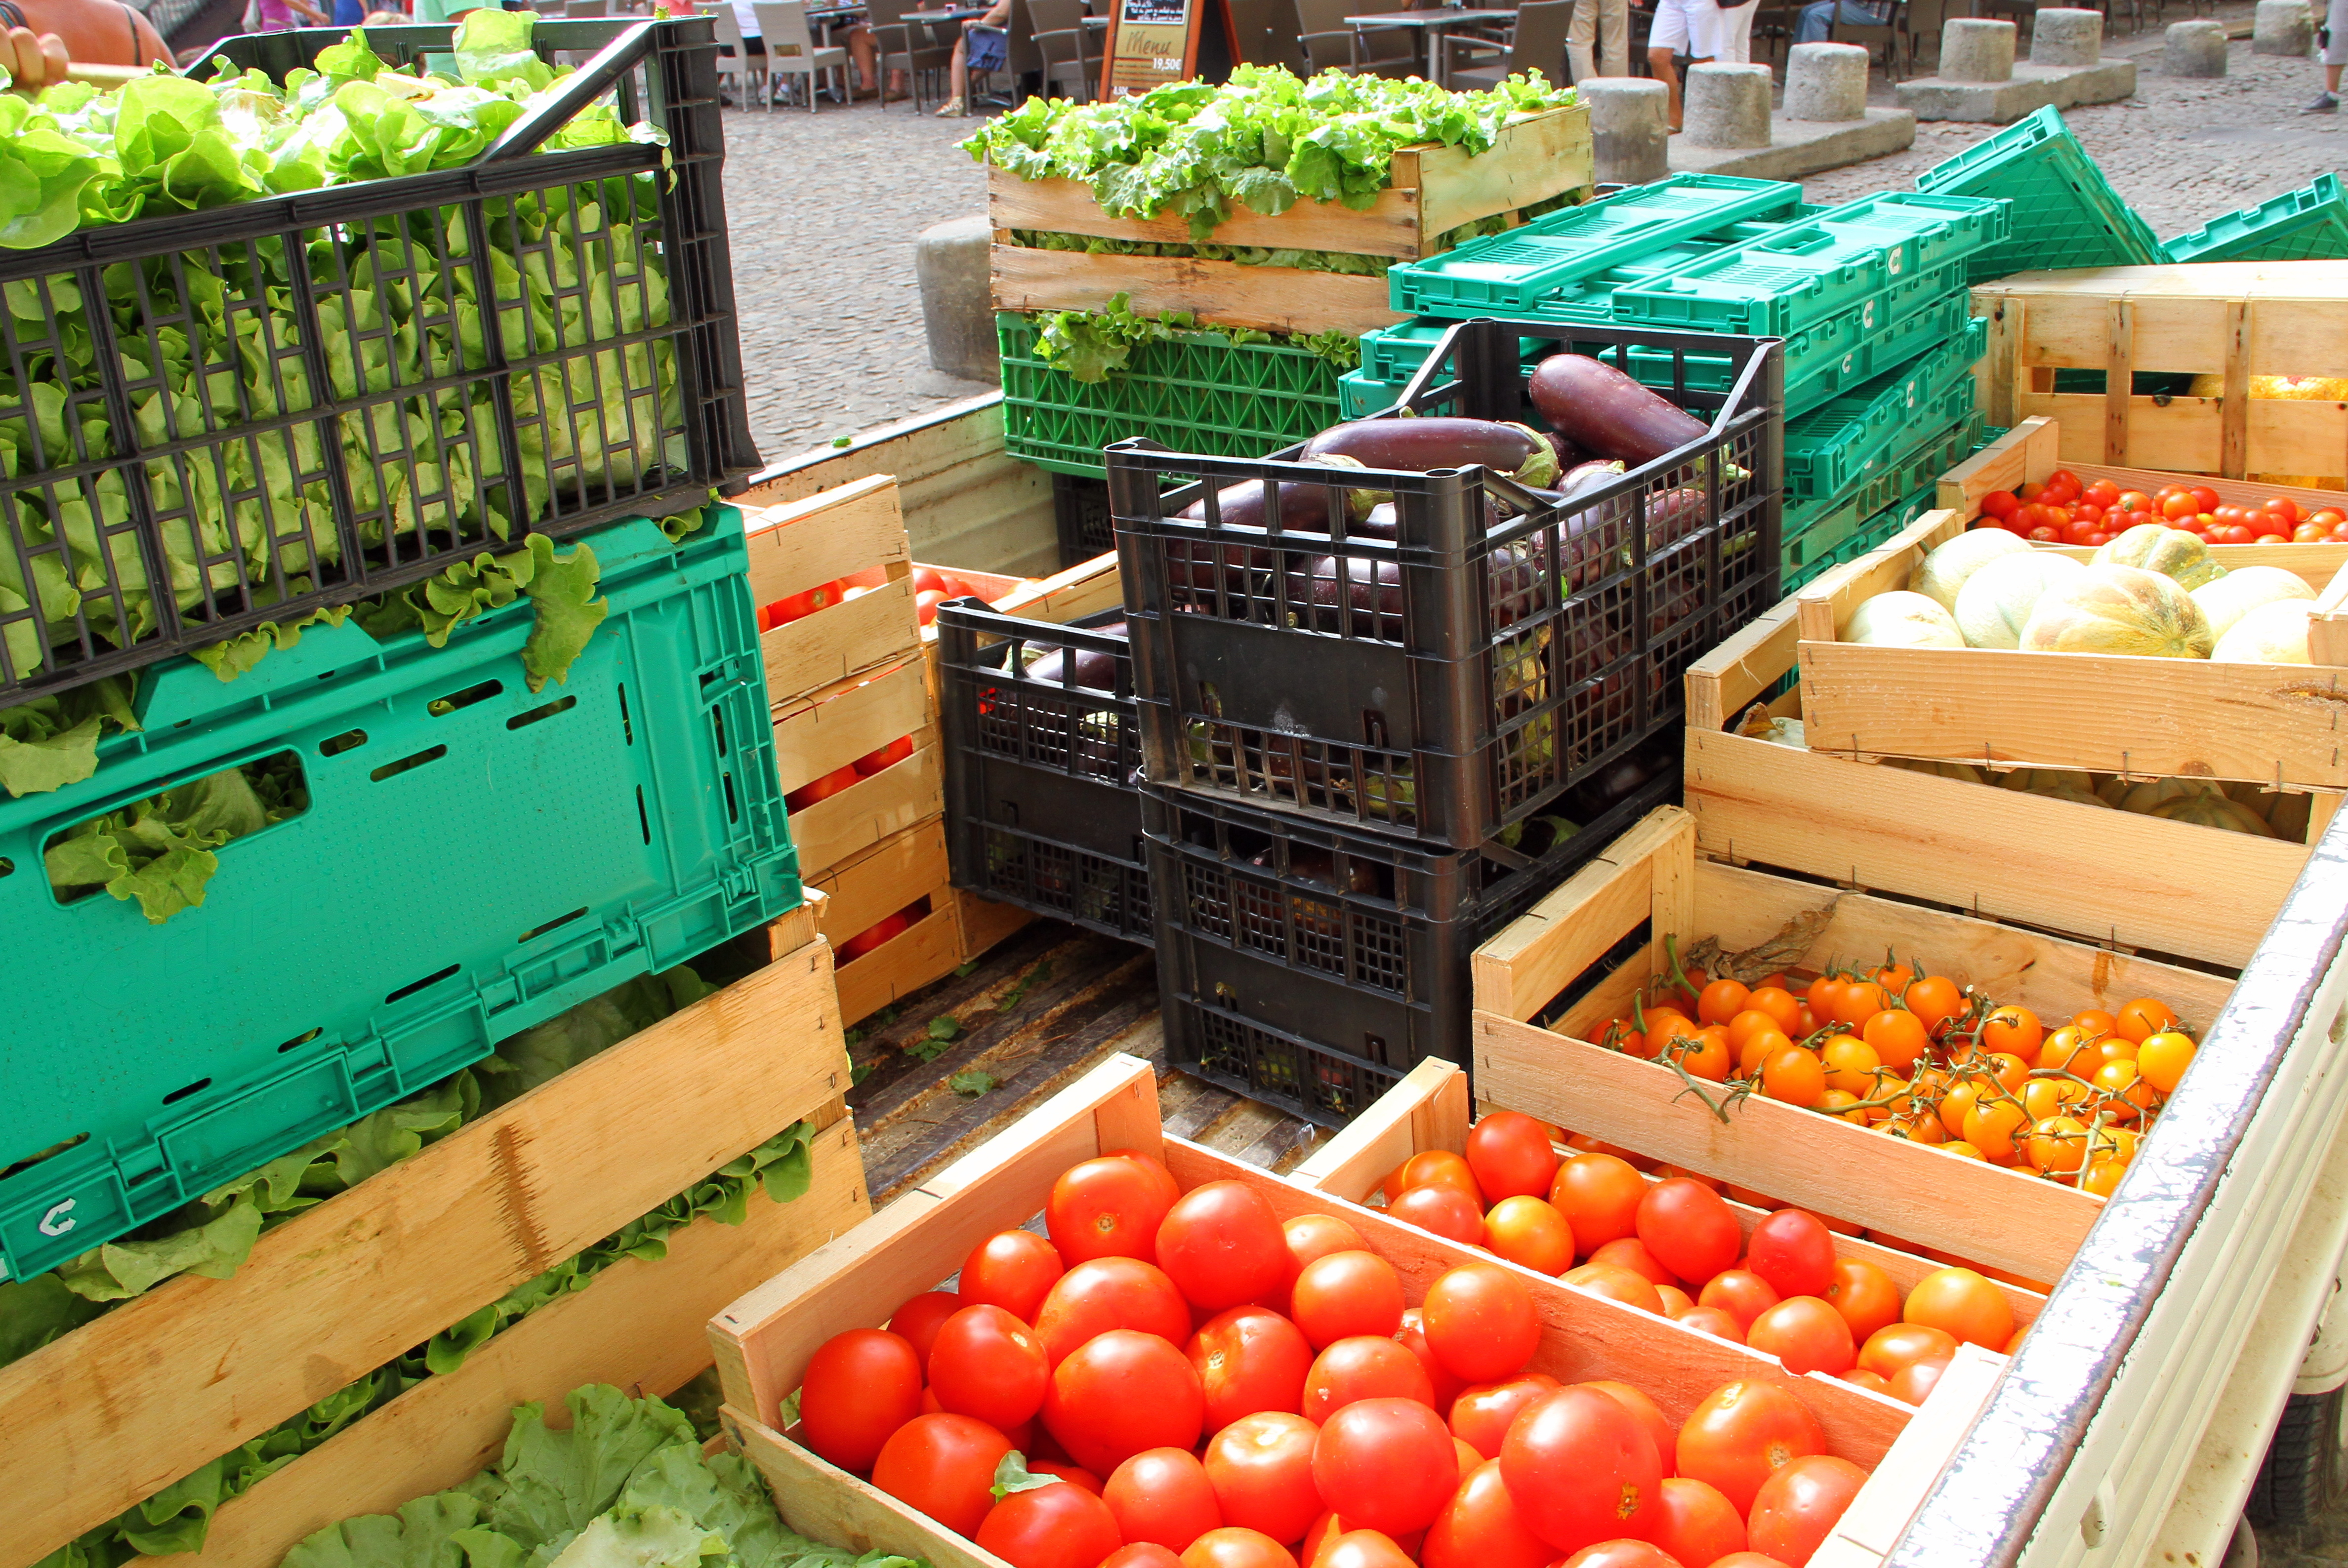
(2195, 49)
(2067, 39)
(950, 262)
(1976, 50)
(2283, 28)
(1629, 127)
(1825, 82)
(1728, 105)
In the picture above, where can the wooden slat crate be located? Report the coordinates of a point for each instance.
(826, 731)
(2104, 876)
(1223, 293)
(2233, 319)
(763, 1342)
(1653, 876)
(1429, 1110)
(132, 1401)
(853, 532)
(2281, 725)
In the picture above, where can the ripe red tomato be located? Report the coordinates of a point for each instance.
(1865, 1296)
(1712, 1320)
(2230, 534)
(1741, 1293)
(797, 606)
(1615, 1283)
(1480, 1528)
(887, 756)
(1069, 1471)
(1141, 1554)
(1120, 1393)
(925, 605)
(1108, 1207)
(859, 1387)
(1385, 1463)
(1346, 1294)
(2103, 493)
(1629, 1251)
(1249, 1359)
(1807, 1334)
(824, 788)
(930, 579)
(1363, 1549)
(1412, 1336)
(1793, 1251)
(1650, 1417)
(1999, 503)
(1364, 1368)
(1797, 1508)
(1221, 1246)
(1107, 1293)
(944, 1466)
(1582, 1469)
(1014, 1270)
(917, 1321)
(2204, 497)
(1698, 1525)
(1914, 1383)
(1598, 1196)
(1262, 1470)
(1689, 1228)
(1163, 1495)
(1621, 1553)
(1511, 1154)
(1740, 1433)
(988, 1365)
(1318, 1235)
(1480, 1321)
(1480, 1415)
(1235, 1547)
(1445, 1210)
(888, 928)
(1056, 1526)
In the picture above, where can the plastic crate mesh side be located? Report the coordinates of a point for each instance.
(1094, 890)
(1323, 1085)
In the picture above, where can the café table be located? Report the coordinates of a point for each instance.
(1431, 25)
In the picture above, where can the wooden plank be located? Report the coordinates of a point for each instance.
(2024, 453)
(1085, 588)
(842, 640)
(1535, 956)
(891, 801)
(902, 965)
(1270, 299)
(984, 922)
(869, 886)
(827, 730)
(642, 1325)
(126, 1405)
(1868, 1529)
(1530, 161)
(803, 544)
(1723, 684)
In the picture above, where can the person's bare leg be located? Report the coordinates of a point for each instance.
(1659, 61)
(861, 50)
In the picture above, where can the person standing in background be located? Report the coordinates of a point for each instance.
(1732, 35)
(2331, 39)
(278, 15)
(44, 35)
(1818, 17)
(1598, 38)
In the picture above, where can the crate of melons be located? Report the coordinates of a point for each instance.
(1198, 1364)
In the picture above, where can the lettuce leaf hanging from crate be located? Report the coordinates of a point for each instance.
(159, 851)
(1090, 346)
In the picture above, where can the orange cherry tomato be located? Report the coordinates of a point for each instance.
(2142, 1018)
(1794, 1076)
(2014, 1031)
(1897, 1038)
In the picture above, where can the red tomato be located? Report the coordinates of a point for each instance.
(2307, 534)
(1690, 1228)
(925, 605)
(1650, 1415)
(1318, 1235)
(1069, 1471)
(1385, 1463)
(1120, 1393)
(1056, 1526)
(1615, 1283)
(1598, 1196)
(1363, 1549)
(1364, 1368)
(1999, 503)
(887, 756)
(1014, 1270)
(930, 579)
(1221, 1246)
(1793, 1251)
(1582, 1469)
(1163, 1495)
(1346, 1293)
(1327, 1529)
(1480, 1528)
(988, 1365)
(1412, 1336)
(1233, 1547)
(799, 606)
(2204, 497)
(2233, 534)
(2180, 506)
(1714, 1321)
(1108, 1207)
(1511, 1154)
(1741, 1293)
(1915, 1382)
(1262, 1470)
(1629, 1251)
(1807, 1334)
(859, 1387)
(1480, 1415)
(2047, 534)
(1480, 1321)
(2329, 516)
(1889, 1348)
(944, 1466)
(1531, 1232)
(2103, 492)
(1141, 1554)
(824, 788)
(917, 1322)
(1797, 1507)
(1624, 1552)
(1741, 1434)
(1107, 1293)
(888, 929)
(1445, 1210)
(1249, 1359)
(1698, 1525)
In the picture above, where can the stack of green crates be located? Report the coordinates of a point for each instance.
(2065, 212)
(2310, 224)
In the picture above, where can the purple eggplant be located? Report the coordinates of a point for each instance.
(1094, 672)
(1600, 408)
(1371, 589)
(1304, 508)
(1417, 446)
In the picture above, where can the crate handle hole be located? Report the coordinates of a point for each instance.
(412, 987)
(51, 1153)
(1225, 996)
(732, 806)
(559, 706)
(1374, 1046)
(6, 865)
(177, 1095)
(627, 726)
(408, 764)
(536, 931)
(441, 707)
(717, 723)
(277, 783)
(1373, 729)
(300, 1040)
(335, 745)
(643, 821)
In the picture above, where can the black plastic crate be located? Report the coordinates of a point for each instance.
(1080, 509)
(1500, 648)
(1043, 803)
(1316, 979)
(311, 399)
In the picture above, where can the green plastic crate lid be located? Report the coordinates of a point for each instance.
(2310, 224)
(2065, 212)
(1361, 395)
(1503, 273)
(1846, 439)
(1940, 229)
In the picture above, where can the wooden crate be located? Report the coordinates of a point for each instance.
(1431, 189)
(2033, 449)
(854, 532)
(1653, 876)
(1223, 293)
(831, 728)
(764, 1341)
(2106, 877)
(132, 1401)
(2234, 319)
(873, 884)
(2280, 725)
(1429, 1110)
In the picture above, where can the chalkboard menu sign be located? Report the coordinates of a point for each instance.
(1150, 43)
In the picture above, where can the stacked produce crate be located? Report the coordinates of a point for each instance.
(374, 877)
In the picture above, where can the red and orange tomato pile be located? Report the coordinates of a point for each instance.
(1674, 1247)
(931, 587)
(1189, 1383)
(2061, 510)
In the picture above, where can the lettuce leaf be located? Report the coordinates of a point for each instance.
(159, 851)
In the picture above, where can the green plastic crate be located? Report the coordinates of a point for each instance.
(475, 859)
(2310, 224)
(1198, 393)
(2064, 213)
(1509, 274)
(1939, 229)
(1836, 446)
(1361, 395)
(1393, 354)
